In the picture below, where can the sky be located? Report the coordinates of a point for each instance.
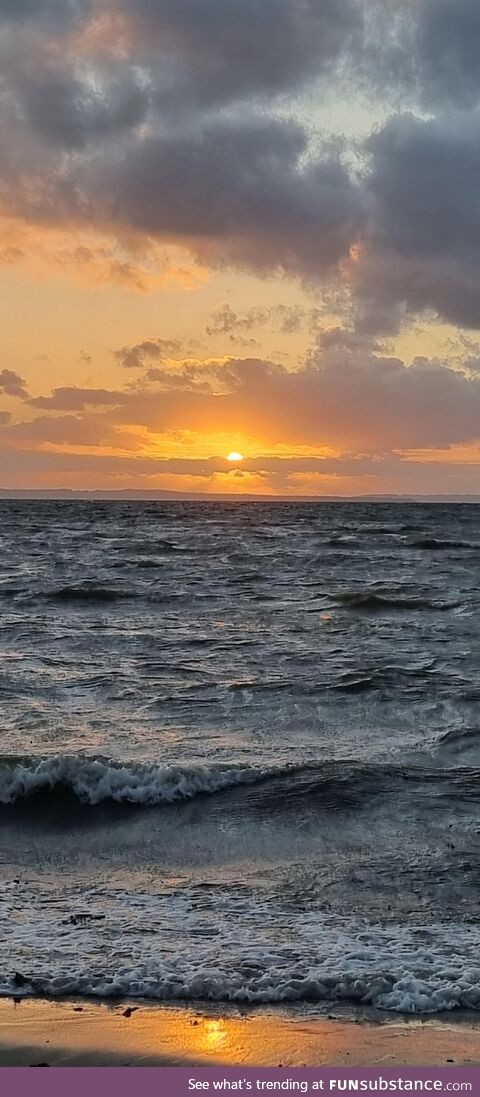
(246, 226)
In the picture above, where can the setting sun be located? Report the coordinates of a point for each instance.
(235, 457)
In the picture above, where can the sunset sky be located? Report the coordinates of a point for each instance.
(240, 225)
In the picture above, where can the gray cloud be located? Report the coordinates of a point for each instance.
(238, 192)
(71, 398)
(422, 248)
(140, 354)
(426, 52)
(245, 192)
(70, 108)
(73, 430)
(286, 319)
(11, 384)
(218, 50)
(424, 179)
(448, 48)
(59, 11)
(225, 321)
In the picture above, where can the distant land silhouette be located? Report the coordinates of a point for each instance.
(204, 497)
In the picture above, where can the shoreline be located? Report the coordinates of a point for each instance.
(36, 1032)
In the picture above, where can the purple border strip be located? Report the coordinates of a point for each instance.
(185, 1081)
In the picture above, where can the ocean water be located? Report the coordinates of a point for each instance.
(240, 752)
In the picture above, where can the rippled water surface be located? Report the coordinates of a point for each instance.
(241, 751)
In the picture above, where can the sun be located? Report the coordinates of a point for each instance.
(235, 457)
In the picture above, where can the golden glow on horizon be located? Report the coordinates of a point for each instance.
(235, 457)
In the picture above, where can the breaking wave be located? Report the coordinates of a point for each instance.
(95, 780)
(372, 602)
(327, 785)
(411, 971)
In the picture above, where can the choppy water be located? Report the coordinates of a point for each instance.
(241, 752)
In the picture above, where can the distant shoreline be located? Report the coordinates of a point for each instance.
(127, 495)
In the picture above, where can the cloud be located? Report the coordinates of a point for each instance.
(425, 405)
(423, 179)
(11, 384)
(140, 354)
(426, 52)
(59, 11)
(71, 398)
(219, 50)
(69, 105)
(286, 319)
(297, 476)
(421, 250)
(88, 430)
(239, 192)
(448, 46)
(88, 257)
(154, 124)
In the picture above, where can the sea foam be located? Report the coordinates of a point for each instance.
(93, 780)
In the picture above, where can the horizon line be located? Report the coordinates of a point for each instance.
(146, 495)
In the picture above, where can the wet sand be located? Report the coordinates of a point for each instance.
(87, 1034)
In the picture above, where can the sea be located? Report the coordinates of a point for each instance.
(240, 753)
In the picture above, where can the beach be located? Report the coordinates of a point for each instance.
(74, 1033)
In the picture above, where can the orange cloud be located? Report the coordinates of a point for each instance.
(93, 259)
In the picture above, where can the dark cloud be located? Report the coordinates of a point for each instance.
(424, 180)
(71, 398)
(70, 107)
(238, 192)
(345, 340)
(448, 49)
(72, 430)
(421, 53)
(11, 384)
(426, 51)
(224, 49)
(472, 365)
(140, 354)
(244, 192)
(57, 11)
(225, 321)
(423, 245)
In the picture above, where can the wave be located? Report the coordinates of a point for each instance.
(459, 740)
(389, 675)
(92, 593)
(370, 601)
(96, 780)
(329, 785)
(438, 544)
(408, 971)
(87, 592)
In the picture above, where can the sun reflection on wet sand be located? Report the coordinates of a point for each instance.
(66, 1034)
